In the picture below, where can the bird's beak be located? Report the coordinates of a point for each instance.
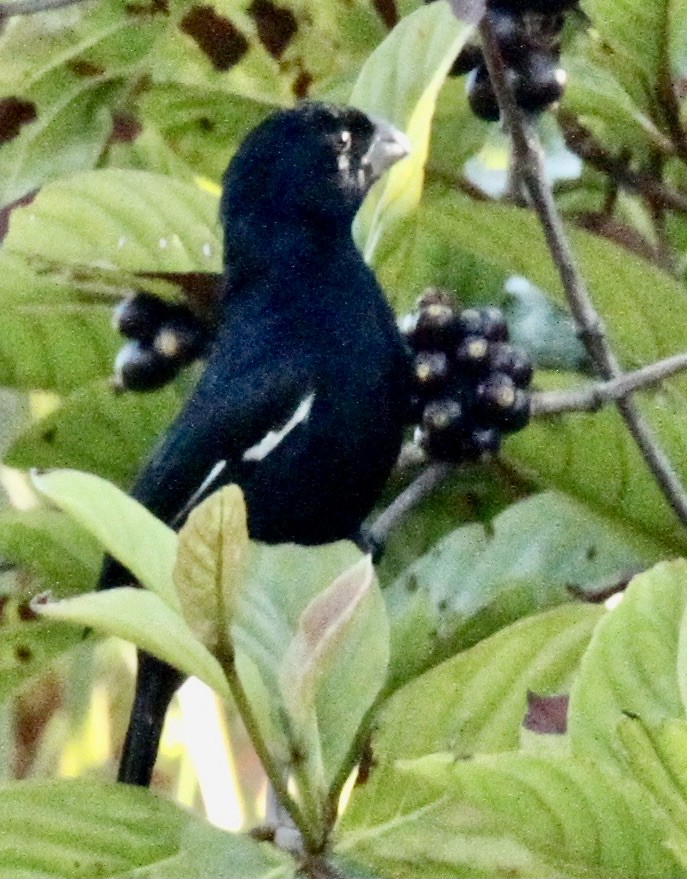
(388, 146)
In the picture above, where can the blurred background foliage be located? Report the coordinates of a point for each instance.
(117, 119)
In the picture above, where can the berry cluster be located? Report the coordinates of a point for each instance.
(470, 384)
(165, 337)
(528, 33)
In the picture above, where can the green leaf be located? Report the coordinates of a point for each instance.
(65, 560)
(682, 659)
(600, 100)
(657, 758)
(132, 220)
(640, 37)
(28, 645)
(630, 666)
(202, 124)
(592, 457)
(509, 815)
(51, 546)
(146, 620)
(56, 346)
(131, 534)
(400, 81)
(335, 665)
(476, 700)
(644, 308)
(475, 581)
(73, 68)
(279, 585)
(84, 430)
(81, 828)
(210, 562)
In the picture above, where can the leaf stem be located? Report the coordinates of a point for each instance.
(225, 657)
(527, 160)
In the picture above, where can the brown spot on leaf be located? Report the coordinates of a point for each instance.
(215, 35)
(49, 435)
(276, 25)
(546, 714)
(301, 84)
(23, 653)
(3, 602)
(14, 113)
(125, 128)
(26, 613)
(386, 10)
(81, 67)
(367, 763)
(155, 7)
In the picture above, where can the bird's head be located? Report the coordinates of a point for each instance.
(315, 162)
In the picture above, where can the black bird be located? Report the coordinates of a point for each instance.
(306, 388)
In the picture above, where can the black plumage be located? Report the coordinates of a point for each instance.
(306, 388)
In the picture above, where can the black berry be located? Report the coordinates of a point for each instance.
(540, 82)
(516, 416)
(481, 95)
(139, 367)
(495, 395)
(472, 353)
(512, 361)
(181, 340)
(140, 316)
(470, 57)
(431, 370)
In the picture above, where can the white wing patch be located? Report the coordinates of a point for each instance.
(273, 437)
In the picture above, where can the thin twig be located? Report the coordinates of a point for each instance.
(581, 141)
(29, 7)
(592, 397)
(407, 500)
(528, 158)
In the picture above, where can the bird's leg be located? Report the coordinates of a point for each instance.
(156, 683)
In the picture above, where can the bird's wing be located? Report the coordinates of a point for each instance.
(222, 426)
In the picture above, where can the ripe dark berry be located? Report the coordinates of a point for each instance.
(431, 371)
(481, 95)
(469, 57)
(540, 82)
(140, 316)
(543, 6)
(483, 442)
(516, 416)
(139, 367)
(444, 416)
(434, 296)
(181, 340)
(494, 326)
(472, 353)
(495, 395)
(433, 326)
(512, 361)
(509, 32)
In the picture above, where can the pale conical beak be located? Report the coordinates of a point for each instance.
(388, 146)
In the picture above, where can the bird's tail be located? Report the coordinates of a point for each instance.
(156, 683)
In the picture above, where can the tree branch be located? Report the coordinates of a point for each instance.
(29, 7)
(581, 141)
(527, 159)
(407, 500)
(592, 397)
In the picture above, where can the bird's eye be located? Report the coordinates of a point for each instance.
(345, 140)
